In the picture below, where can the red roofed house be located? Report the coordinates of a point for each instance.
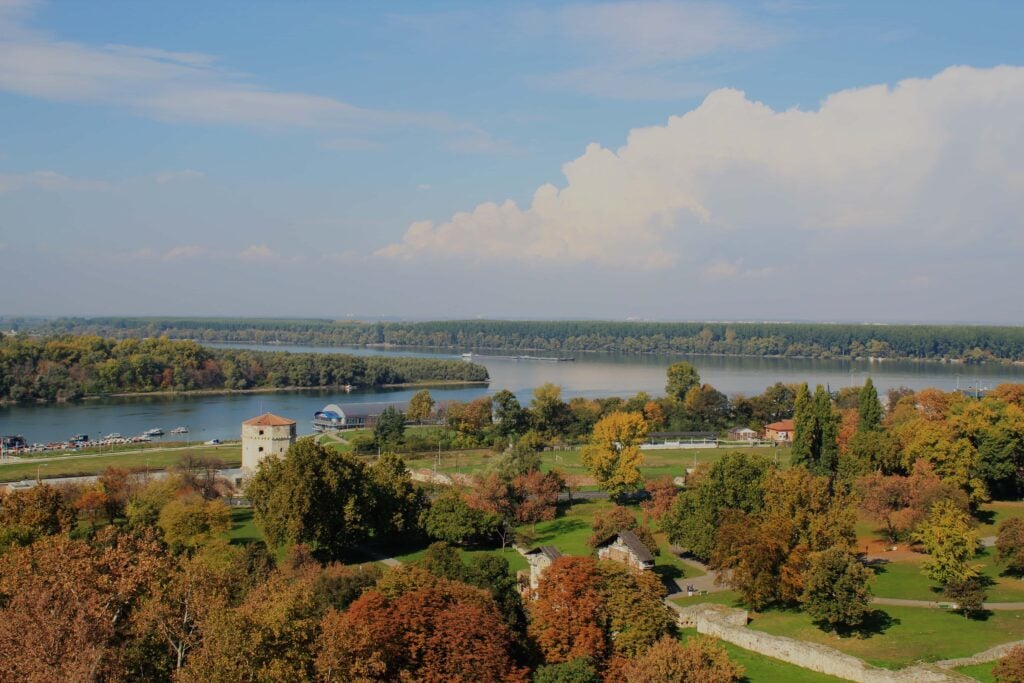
(781, 431)
(265, 435)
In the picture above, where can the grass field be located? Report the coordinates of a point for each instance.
(991, 514)
(911, 634)
(904, 580)
(759, 668)
(243, 528)
(94, 464)
(979, 672)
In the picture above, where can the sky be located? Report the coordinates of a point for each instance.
(761, 160)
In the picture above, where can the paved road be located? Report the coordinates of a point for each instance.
(21, 460)
(900, 602)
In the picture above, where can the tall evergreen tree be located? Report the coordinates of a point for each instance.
(816, 423)
(869, 410)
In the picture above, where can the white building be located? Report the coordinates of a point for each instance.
(264, 436)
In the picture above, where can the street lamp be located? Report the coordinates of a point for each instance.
(38, 467)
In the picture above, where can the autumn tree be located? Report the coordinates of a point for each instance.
(700, 660)
(613, 455)
(1010, 544)
(837, 589)
(421, 405)
(29, 514)
(869, 408)
(884, 499)
(522, 458)
(313, 495)
(951, 542)
(144, 505)
(567, 619)
(1010, 668)
(429, 629)
(189, 521)
(635, 614)
(681, 377)
(551, 415)
(493, 495)
(537, 494)
(663, 492)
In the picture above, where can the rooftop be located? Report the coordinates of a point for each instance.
(633, 542)
(781, 426)
(269, 420)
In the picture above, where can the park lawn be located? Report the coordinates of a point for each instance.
(913, 634)
(729, 598)
(991, 514)
(243, 527)
(979, 672)
(904, 579)
(94, 464)
(760, 668)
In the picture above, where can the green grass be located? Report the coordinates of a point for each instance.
(991, 514)
(979, 672)
(243, 528)
(760, 668)
(913, 634)
(728, 598)
(905, 580)
(94, 464)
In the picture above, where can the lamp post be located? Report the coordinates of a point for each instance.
(39, 466)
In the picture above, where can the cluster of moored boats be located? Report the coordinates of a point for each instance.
(18, 444)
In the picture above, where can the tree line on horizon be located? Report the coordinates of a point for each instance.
(969, 343)
(68, 367)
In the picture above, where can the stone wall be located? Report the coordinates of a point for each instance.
(730, 625)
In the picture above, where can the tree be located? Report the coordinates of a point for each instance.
(431, 630)
(493, 495)
(700, 660)
(421, 405)
(390, 429)
(869, 409)
(948, 537)
(92, 504)
(567, 618)
(1010, 544)
(968, 595)
(884, 499)
(579, 670)
(837, 589)
(189, 521)
(635, 614)
(663, 492)
(1010, 668)
(682, 377)
(707, 407)
(550, 413)
(451, 518)
(816, 431)
(537, 496)
(613, 455)
(313, 495)
(733, 482)
(29, 514)
(509, 415)
(398, 504)
(523, 458)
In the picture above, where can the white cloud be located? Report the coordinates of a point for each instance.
(929, 161)
(184, 252)
(257, 252)
(49, 180)
(169, 85)
(165, 177)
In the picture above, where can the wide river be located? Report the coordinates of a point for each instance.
(592, 375)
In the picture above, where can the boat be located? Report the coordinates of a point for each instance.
(468, 356)
(156, 431)
(114, 435)
(179, 430)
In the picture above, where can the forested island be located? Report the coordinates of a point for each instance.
(67, 367)
(808, 340)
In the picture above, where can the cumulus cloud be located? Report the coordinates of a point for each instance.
(935, 159)
(49, 180)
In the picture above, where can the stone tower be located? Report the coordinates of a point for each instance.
(263, 436)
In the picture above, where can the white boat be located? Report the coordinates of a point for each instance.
(179, 430)
(156, 431)
(115, 435)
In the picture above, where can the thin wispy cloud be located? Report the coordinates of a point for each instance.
(165, 177)
(50, 180)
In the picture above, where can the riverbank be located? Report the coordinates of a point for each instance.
(426, 384)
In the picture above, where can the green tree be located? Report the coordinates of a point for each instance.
(452, 519)
(190, 521)
(579, 670)
(869, 409)
(837, 589)
(951, 542)
(315, 496)
(511, 418)
(613, 455)
(815, 443)
(682, 377)
(420, 406)
(390, 429)
(968, 595)
(550, 413)
(397, 502)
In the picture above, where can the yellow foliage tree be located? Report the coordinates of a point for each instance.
(613, 455)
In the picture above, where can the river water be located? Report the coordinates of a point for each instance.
(591, 375)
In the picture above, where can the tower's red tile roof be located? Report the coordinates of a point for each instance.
(269, 420)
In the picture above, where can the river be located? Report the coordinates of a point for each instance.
(591, 375)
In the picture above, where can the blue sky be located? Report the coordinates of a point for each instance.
(755, 160)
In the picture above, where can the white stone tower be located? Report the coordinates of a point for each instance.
(264, 436)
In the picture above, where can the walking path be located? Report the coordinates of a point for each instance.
(706, 583)
(900, 602)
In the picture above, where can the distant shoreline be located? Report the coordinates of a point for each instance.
(258, 390)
